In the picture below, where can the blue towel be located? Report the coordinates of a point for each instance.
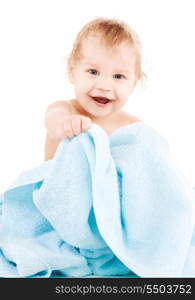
(105, 206)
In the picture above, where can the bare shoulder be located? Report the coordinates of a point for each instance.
(126, 118)
(59, 104)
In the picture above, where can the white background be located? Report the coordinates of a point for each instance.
(36, 38)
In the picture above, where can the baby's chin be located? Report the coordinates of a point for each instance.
(99, 114)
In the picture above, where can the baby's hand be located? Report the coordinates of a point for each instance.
(61, 124)
(74, 125)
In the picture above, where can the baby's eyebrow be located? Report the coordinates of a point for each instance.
(92, 65)
(122, 70)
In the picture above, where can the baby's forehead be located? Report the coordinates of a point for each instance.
(94, 50)
(96, 41)
(94, 45)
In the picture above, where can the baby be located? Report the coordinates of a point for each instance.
(104, 67)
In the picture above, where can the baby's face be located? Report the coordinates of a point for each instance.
(106, 75)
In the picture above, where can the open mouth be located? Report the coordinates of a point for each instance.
(101, 100)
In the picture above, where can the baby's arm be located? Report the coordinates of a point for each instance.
(60, 123)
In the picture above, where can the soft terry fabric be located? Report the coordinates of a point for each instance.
(104, 205)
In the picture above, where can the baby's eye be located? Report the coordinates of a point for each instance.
(119, 76)
(93, 71)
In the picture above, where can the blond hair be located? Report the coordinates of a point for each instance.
(112, 32)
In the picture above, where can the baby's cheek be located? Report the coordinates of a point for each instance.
(124, 94)
(83, 87)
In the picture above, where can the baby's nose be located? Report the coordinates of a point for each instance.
(103, 84)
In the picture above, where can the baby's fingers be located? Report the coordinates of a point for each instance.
(86, 123)
(76, 124)
(68, 133)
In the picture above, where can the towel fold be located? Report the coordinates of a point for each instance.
(103, 205)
